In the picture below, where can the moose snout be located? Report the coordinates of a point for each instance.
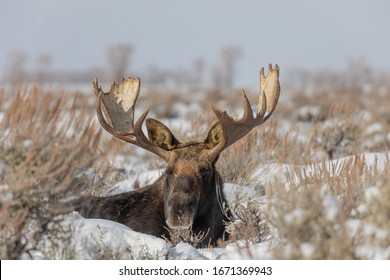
(179, 220)
(180, 217)
(179, 227)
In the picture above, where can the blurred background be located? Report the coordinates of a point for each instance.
(219, 43)
(316, 176)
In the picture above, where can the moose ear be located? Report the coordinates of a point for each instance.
(160, 135)
(214, 136)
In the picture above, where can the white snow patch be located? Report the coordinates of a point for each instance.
(353, 226)
(331, 207)
(5, 194)
(373, 252)
(184, 251)
(143, 179)
(374, 128)
(93, 235)
(267, 173)
(240, 251)
(372, 193)
(294, 216)
(307, 249)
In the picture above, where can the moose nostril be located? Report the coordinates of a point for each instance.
(178, 227)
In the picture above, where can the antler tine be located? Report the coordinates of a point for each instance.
(269, 85)
(233, 130)
(118, 118)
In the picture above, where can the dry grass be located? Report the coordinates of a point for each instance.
(50, 148)
(319, 209)
(322, 212)
(185, 235)
(249, 221)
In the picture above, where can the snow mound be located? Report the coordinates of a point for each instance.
(92, 237)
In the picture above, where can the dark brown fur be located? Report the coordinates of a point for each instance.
(188, 195)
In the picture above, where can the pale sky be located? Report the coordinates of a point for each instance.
(171, 34)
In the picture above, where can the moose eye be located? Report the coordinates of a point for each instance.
(191, 205)
(169, 171)
(205, 174)
(171, 174)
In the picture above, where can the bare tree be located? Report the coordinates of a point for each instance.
(119, 59)
(198, 71)
(43, 62)
(359, 72)
(223, 73)
(229, 56)
(217, 76)
(15, 67)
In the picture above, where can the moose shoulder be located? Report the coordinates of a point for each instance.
(188, 195)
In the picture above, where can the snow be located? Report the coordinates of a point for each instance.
(307, 249)
(331, 207)
(374, 128)
(294, 216)
(184, 251)
(372, 193)
(143, 178)
(98, 238)
(353, 226)
(92, 236)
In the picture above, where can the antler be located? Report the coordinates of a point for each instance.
(233, 130)
(118, 106)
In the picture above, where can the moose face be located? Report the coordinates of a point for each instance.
(190, 175)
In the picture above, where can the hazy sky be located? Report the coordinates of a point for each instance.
(171, 34)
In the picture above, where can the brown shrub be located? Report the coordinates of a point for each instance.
(322, 211)
(48, 151)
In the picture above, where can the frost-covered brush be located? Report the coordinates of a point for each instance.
(188, 194)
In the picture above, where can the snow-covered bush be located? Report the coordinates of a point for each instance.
(48, 150)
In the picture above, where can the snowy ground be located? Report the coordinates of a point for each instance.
(94, 238)
(93, 235)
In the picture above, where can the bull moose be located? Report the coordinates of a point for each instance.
(188, 195)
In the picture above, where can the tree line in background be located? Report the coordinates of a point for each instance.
(119, 65)
(357, 72)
